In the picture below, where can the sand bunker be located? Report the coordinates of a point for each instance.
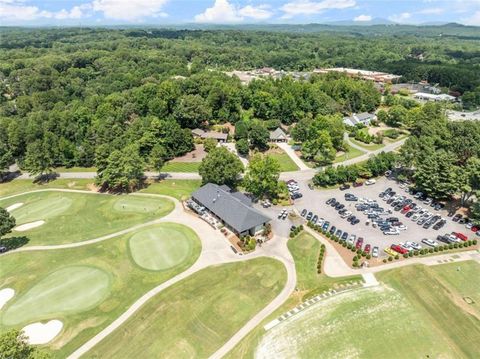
(39, 333)
(5, 295)
(14, 207)
(27, 226)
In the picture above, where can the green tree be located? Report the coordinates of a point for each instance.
(14, 345)
(191, 111)
(7, 222)
(242, 147)
(38, 159)
(475, 212)
(220, 166)
(6, 157)
(158, 155)
(262, 176)
(469, 180)
(397, 115)
(209, 144)
(124, 170)
(320, 149)
(259, 137)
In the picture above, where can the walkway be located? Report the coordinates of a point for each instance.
(291, 153)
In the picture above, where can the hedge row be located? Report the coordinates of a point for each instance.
(320, 259)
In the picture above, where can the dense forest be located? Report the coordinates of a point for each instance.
(78, 97)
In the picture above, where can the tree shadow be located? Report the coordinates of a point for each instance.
(46, 177)
(9, 176)
(14, 242)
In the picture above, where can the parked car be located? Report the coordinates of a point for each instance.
(3, 249)
(344, 187)
(429, 242)
(370, 182)
(352, 239)
(309, 216)
(332, 230)
(357, 184)
(359, 243)
(391, 232)
(338, 233)
(325, 225)
(330, 200)
(375, 252)
(399, 249)
(304, 213)
(367, 248)
(344, 236)
(315, 219)
(460, 236)
(414, 245)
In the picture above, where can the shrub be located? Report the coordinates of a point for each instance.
(410, 254)
(390, 258)
(344, 244)
(397, 257)
(455, 245)
(353, 249)
(415, 253)
(450, 246)
(405, 255)
(474, 242)
(384, 260)
(436, 249)
(368, 256)
(430, 250)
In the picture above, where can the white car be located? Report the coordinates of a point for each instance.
(413, 245)
(469, 225)
(346, 214)
(429, 242)
(391, 232)
(416, 217)
(375, 252)
(370, 182)
(402, 228)
(406, 246)
(352, 239)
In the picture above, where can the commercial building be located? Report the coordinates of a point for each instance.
(219, 136)
(376, 76)
(233, 209)
(433, 97)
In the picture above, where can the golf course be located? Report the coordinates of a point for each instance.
(52, 217)
(88, 287)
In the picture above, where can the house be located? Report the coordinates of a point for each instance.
(219, 136)
(233, 209)
(278, 136)
(364, 118)
(432, 97)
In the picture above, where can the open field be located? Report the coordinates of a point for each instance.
(286, 163)
(181, 167)
(196, 316)
(304, 249)
(175, 188)
(352, 152)
(99, 214)
(21, 185)
(86, 287)
(420, 307)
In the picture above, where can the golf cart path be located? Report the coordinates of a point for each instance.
(291, 153)
(346, 138)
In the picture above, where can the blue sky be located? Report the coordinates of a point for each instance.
(158, 12)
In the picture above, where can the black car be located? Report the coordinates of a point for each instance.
(457, 217)
(334, 203)
(413, 205)
(3, 249)
(427, 225)
(439, 206)
(344, 187)
(390, 201)
(342, 211)
(388, 190)
(304, 213)
(344, 236)
(356, 221)
(463, 220)
(439, 224)
(314, 219)
(330, 200)
(338, 233)
(398, 207)
(296, 195)
(309, 216)
(292, 228)
(350, 197)
(409, 214)
(332, 230)
(339, 206)
(443, 239)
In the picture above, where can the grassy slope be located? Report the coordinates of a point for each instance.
(352, 152)
(304, 249)
(22, 271)
(286, 163)
(176, 188)
(100, 215)
(181, 167)
(195, 317)
(20, 186)
(370, 147)
(437, 294)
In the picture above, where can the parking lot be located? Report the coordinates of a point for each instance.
(315, 201)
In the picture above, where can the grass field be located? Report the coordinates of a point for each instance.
(181, 167)
(20, 186)
(195, 317)
(71, 285)
(420, 307)
(175, 188)
(305, 249)
(352, 152)
(73, 217)
(161, 248)
(370, 147)
(286, 163)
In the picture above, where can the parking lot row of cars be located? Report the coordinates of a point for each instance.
(344, 236)
(294, 189)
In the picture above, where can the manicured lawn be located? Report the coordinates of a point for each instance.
(370, 147)
(86, 287)
(196, 316)
(181, 167)
(175, 188)
(20, 186)
(352, 152)
(74, 217)
(286, 163)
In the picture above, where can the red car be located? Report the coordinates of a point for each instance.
(475, 229)
(367, 248)
(398, 249)
(357, 184)
(460, 236)
(359, 243)
(405, 209)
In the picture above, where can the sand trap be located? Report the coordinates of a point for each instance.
(39, 333)
(5, 295)
(14, 207)
(27, 226)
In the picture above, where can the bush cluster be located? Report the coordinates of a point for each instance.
(296, 231)
(320, 258)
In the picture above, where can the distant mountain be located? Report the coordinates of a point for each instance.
(374, 21)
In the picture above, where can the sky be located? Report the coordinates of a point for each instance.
(165, 12)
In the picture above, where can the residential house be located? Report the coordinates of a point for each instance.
(278, 136)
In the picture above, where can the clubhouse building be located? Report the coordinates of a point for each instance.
(233, 209)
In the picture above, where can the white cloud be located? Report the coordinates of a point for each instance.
(431, 11)
(307, 7)
(401, 18)
(473, 20)
(130, 10)
(17, 10)
(223, 11)
(362, 18)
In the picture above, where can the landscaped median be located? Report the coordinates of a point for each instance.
(359, 258)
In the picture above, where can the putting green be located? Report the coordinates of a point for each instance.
(162, 247)
(137, 204)
(70, 289)
(40, 207)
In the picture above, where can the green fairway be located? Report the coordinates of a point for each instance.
(72, 217)
(71, 289)
(352, 152)
(181, 167)
(286, 163)
(195, 317)
(179, 189)
(86, 287)
(161, 248)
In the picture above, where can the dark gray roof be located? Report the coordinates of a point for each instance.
(278, 134)
(232, 208)
(365, 116)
